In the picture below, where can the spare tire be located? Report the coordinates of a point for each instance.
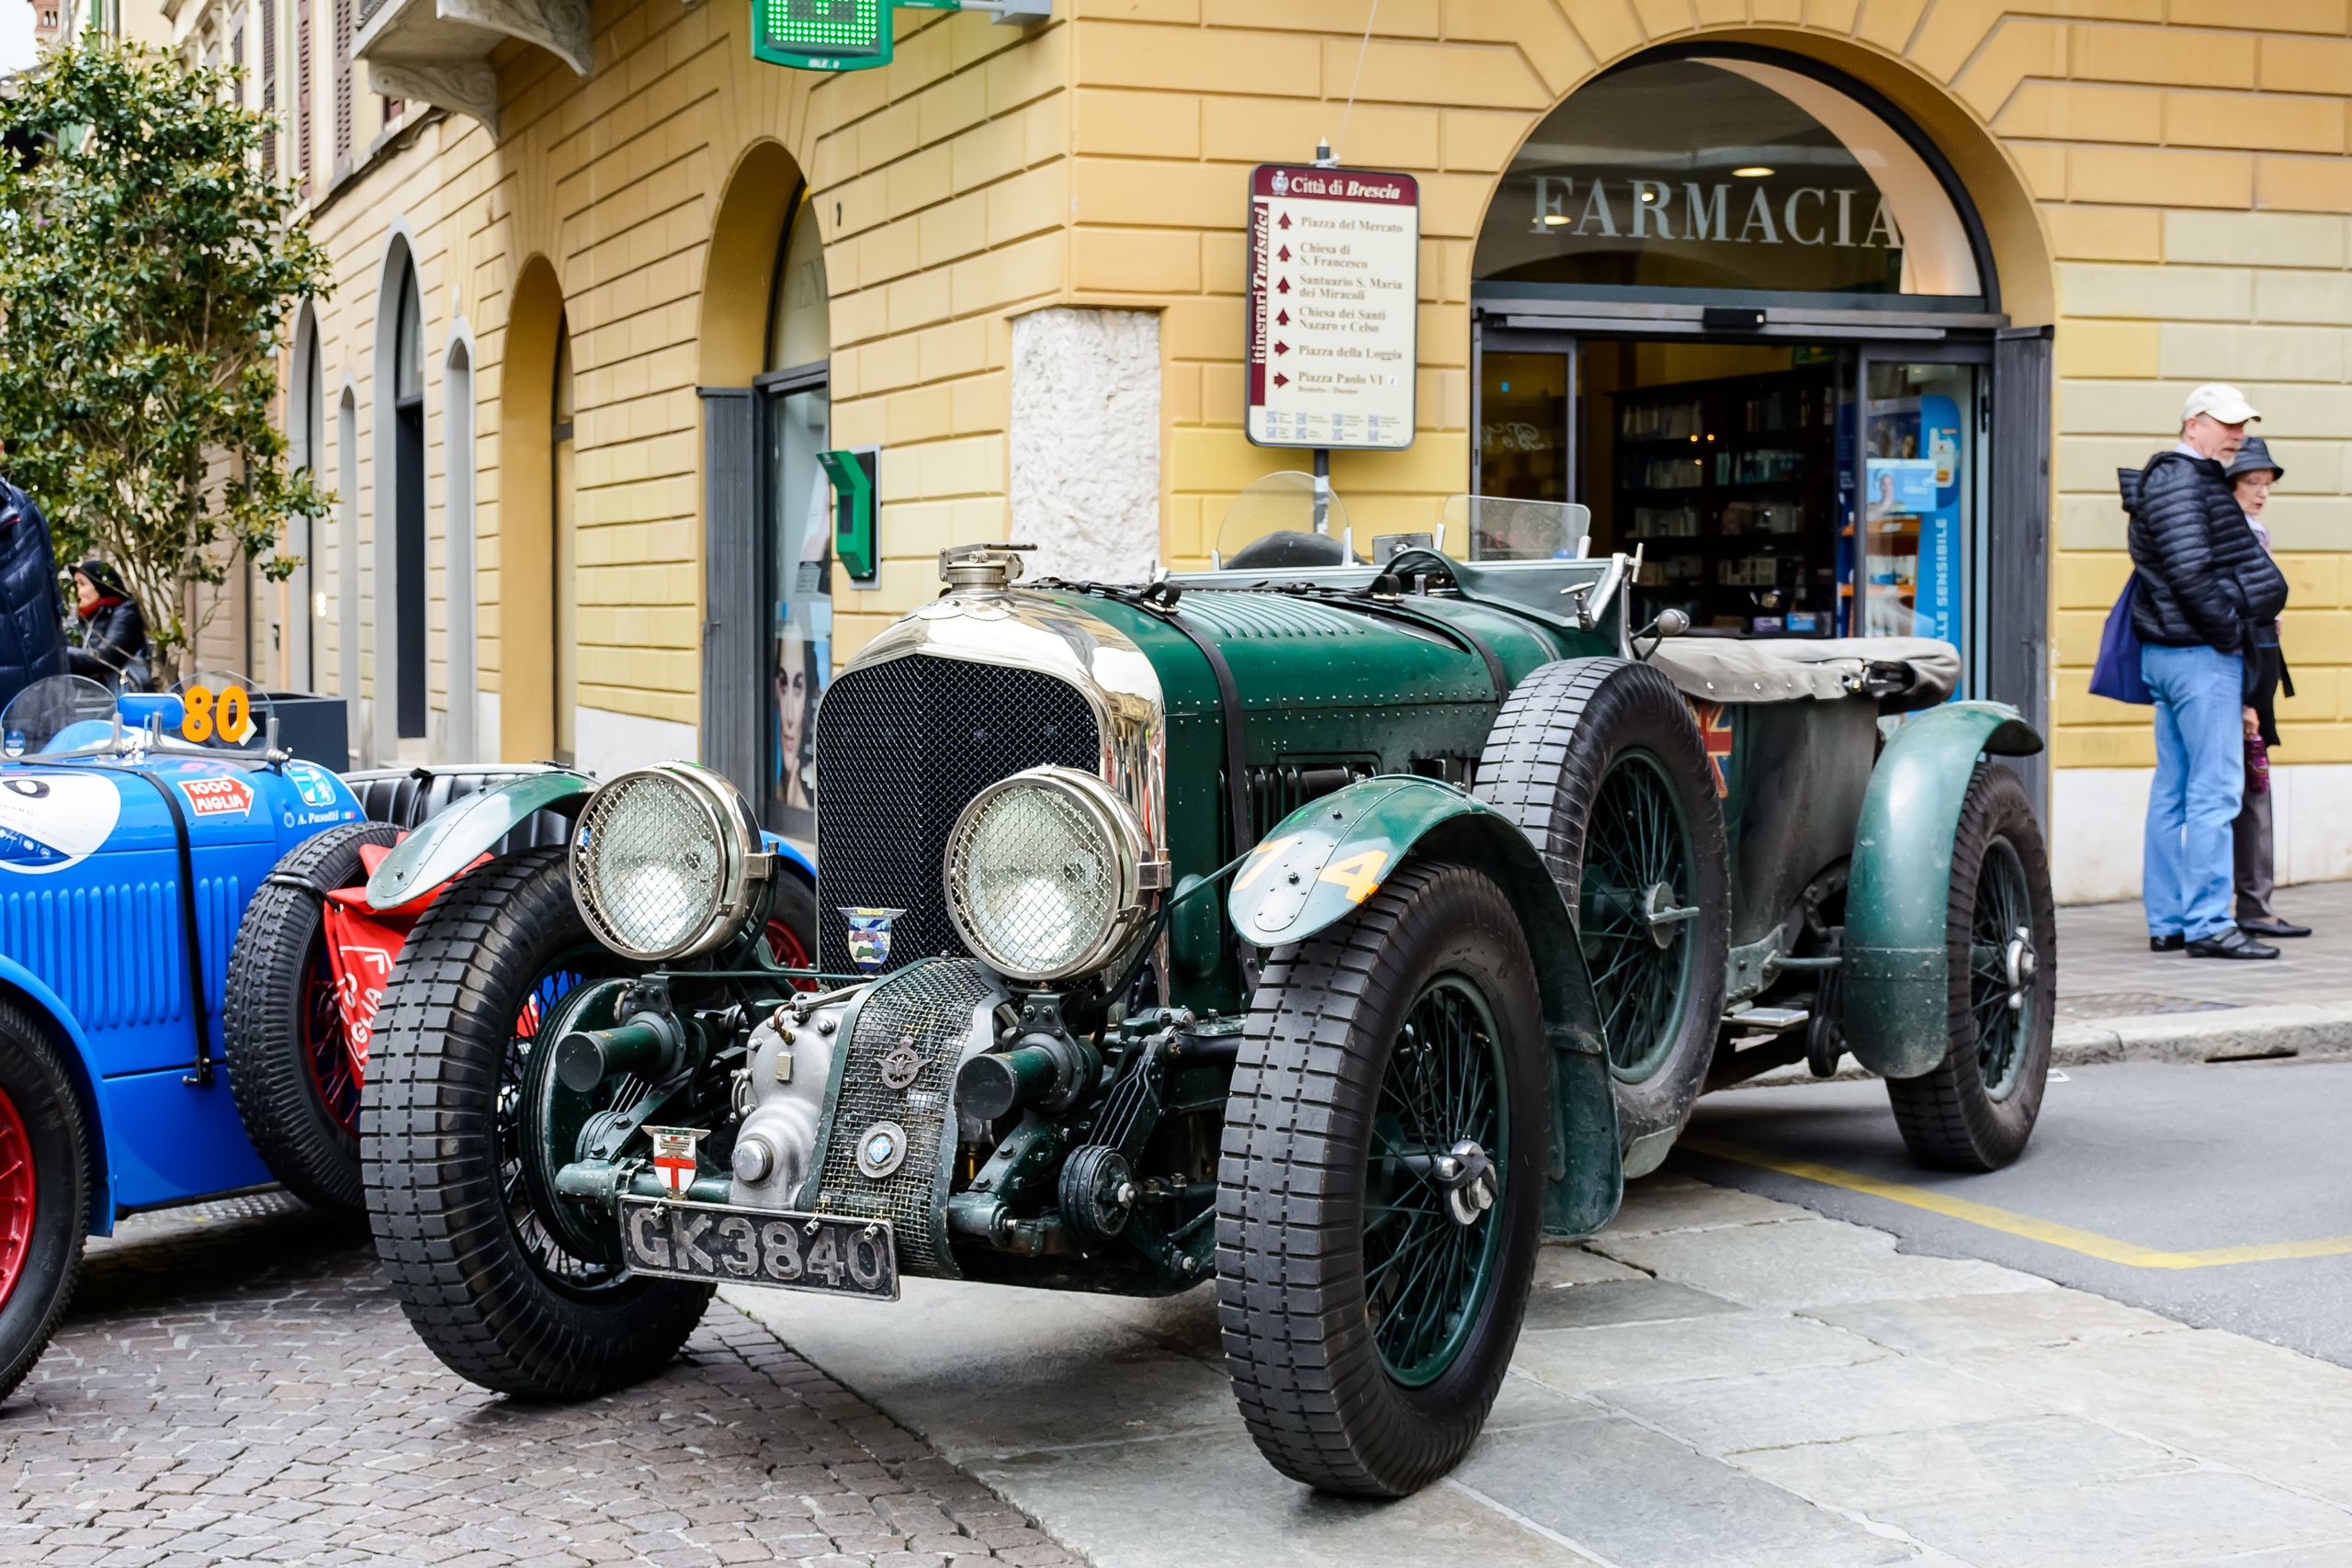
(292, 1066)
(1600, 762)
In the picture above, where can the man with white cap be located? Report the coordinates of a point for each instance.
(2206, 584)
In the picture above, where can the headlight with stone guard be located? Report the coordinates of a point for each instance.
(1043, 872)
(666, 861)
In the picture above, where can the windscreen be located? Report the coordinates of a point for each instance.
(1272, 524)
(58, 713)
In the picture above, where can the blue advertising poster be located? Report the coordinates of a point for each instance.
(1911, 479)
(1936, 608)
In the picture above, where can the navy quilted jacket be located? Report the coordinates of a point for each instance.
(2204, 578)
(32, 630)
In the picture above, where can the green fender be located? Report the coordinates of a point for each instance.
(452, 840)
(1327, 857)
(1895, 1014)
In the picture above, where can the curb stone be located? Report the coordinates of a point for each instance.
(2308, 1031)
(2285, 1029)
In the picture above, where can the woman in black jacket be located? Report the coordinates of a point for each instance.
(112, 646)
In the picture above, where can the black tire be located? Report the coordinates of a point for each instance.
(488, 1289)
(1579, 743)
(44, 1192)
(289, 1057)
(1977, 1110)
(1303, 1199)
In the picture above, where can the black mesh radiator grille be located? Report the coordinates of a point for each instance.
(902, 748)
(928, 1011)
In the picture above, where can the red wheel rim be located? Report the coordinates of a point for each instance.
(326, 1045)
(18, 1194)
(786, 948)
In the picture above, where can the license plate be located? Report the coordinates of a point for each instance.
(727, 1245)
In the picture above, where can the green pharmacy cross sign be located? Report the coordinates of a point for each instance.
(853, 35)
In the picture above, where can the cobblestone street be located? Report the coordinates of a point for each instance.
(236, 1385)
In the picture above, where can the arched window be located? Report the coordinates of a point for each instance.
(346, 576)
(795, 406)
(410, 589)
(304, 613)
(1726, 173)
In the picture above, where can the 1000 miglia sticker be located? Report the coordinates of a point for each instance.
(51, 821)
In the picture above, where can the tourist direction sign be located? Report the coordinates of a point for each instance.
(1334, 288)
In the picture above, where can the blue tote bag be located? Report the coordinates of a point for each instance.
(2117, 673)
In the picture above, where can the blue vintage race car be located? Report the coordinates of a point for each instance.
(188, 965)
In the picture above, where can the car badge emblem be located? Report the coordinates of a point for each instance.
(901, 1066)
(881, 1149)
(869, 936)
(673, 1155)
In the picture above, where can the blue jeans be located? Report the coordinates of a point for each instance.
(2201, 772)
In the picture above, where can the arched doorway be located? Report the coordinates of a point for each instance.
(458, 549)
(519, 599)
(766, 343)
(1742, 308)
(563, 527)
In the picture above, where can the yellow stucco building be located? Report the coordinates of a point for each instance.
(1909, 279)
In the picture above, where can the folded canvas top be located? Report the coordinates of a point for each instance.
(1904, 673)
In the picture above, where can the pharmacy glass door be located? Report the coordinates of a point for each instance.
(1924, 418)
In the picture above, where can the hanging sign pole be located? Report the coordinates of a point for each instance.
(1333, 313)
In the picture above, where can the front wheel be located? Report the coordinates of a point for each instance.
(1380, 1195)
(1977, 1109)
(294, 1066)
(484, 1275)
(44, 1192)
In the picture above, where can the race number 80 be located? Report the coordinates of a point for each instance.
(228, 714)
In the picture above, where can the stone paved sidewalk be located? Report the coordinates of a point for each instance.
(1718, 1381)
(2118, 1001)
(236, 1385)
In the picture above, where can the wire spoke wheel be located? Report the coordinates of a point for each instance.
(2001, 959)
(540, 1246)
(1636, 876)
(1976, 1110)
(20, 1196)
(1380, 1183)
(490, 975)
(1426, 1273)
(327, 1052)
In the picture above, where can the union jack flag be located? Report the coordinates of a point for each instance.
(1716, 733)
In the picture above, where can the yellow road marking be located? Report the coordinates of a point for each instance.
(2089, 1243)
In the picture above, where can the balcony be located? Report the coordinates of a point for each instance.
(438, 51)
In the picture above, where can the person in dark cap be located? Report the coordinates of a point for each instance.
(112, 647)
(2251, 474)
(2202, 584)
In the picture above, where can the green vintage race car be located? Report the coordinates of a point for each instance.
(1334, 929)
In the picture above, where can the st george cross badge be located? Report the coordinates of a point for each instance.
(869, 936)
(673, 1155)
